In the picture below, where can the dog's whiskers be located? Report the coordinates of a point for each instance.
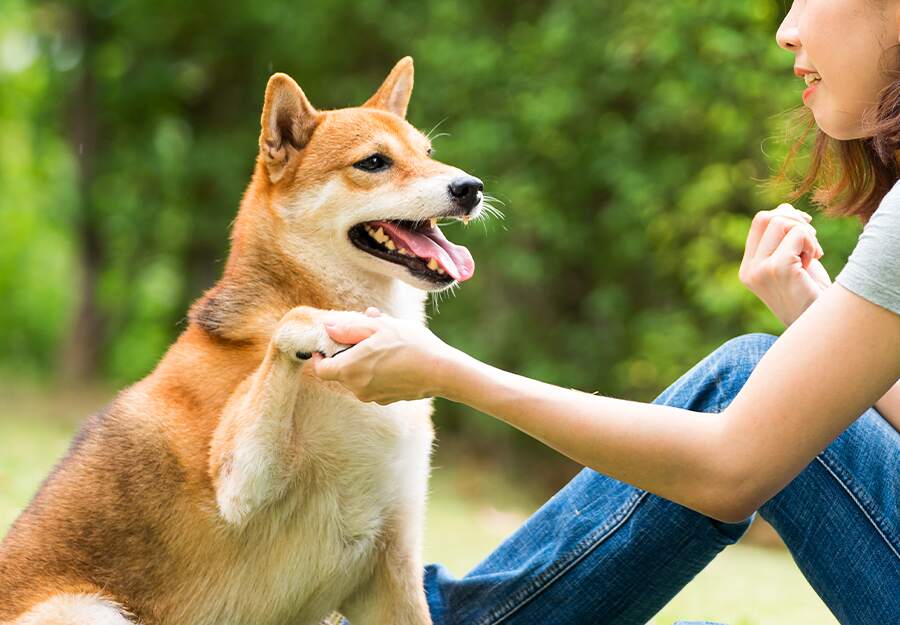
(438, 297)
(428, 134)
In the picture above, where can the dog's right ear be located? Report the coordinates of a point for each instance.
(288, 121)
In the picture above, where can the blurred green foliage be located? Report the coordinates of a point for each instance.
(628, 140)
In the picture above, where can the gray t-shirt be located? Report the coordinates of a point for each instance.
(873, 271)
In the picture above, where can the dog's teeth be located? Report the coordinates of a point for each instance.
(402, 251)
(390, 245)
(434, 222)
(441, 271)
(433, 264)
(465, 220)
(380, 236)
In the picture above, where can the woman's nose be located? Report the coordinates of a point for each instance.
(788, 35)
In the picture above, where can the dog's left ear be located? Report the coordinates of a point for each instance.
(288, 121)
(393, 95)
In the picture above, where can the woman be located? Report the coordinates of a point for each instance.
(744, 430)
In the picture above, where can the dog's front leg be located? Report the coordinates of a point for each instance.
(394, 594)
(253, 455)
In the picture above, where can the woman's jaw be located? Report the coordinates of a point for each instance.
(847, 52)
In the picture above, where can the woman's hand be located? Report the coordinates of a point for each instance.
(391, 359)
(781, 262)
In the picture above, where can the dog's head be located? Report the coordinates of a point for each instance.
(359, 186)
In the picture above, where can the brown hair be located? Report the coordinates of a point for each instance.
(849, 178)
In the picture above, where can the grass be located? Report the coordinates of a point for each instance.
(470, 512)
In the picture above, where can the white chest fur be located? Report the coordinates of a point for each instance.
(360, 467)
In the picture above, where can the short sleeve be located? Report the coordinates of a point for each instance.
(873, 270)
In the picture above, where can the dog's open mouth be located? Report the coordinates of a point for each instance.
(419, 246)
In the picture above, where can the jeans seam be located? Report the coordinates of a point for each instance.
(853, 496)
(582, 550)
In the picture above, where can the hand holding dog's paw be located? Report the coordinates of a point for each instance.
(393, 359)
(300, 334)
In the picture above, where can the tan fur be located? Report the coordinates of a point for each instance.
(231, 485)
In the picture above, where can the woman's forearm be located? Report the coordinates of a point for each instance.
(672, 452)
(837, 360)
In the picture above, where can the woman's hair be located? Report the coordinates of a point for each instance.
(849, 178)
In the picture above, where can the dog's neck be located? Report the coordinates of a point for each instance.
(259, 286)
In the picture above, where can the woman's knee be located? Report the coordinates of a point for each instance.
(734, 361)
(711, 384)
(745, 350)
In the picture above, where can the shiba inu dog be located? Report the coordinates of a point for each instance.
(231, 485)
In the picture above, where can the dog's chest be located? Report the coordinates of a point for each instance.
(361, 469)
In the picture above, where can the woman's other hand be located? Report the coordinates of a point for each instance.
(781, 262)
(391, 359)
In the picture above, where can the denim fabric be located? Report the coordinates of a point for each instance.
(603, 552)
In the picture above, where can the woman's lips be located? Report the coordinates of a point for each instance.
(809, 91)
(812, 81)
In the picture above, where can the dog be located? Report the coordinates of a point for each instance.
(231, 485)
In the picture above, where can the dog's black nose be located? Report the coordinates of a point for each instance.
(466, 191)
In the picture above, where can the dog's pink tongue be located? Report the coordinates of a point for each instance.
(428, 243)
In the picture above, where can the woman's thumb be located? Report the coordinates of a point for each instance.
(325, 368)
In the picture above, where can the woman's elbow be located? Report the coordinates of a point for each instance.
(738, 481)
(731, 511)
(733, 495)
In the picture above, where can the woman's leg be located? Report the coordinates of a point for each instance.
(601, 551)
(841, 520)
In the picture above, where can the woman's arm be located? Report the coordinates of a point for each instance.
(827, 368)
(824, 371)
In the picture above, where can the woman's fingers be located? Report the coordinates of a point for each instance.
(819, 274)
(779, 225)
(351, 327)
(761, 225)
(780, 263)
(757, 228)
(350, 334)
(799, 241)
(789, 211)
(326, 368)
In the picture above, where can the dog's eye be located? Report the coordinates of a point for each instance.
(375, 162)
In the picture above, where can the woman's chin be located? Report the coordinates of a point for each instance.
(838, 125)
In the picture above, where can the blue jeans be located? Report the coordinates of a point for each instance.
(603, 552)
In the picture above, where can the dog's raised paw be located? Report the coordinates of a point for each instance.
(300, 335)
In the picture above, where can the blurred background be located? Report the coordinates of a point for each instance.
(630, 144)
